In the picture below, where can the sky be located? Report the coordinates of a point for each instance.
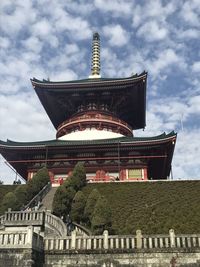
(52, 39)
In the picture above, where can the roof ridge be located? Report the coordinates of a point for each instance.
(98, 141)
(89, 79)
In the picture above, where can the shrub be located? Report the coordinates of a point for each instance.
(78, 178)
(101, 217)
(90, 204)
(42, 178)
(21, 194)
(10, 201)
(78, 205)
(39, 180)
(62, 203)
(62, 200)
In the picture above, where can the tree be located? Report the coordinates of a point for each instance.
(78, 178)
(39, 180)
(101, 217)
(10, 201)
(32, 188)
(90, 204)
(21, 194)
(78, 205)
(1, 182)
(64, 195)
(42, 178)
(62, 200)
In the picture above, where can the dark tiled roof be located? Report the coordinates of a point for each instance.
(56, 142)
(88, 80)
(61, 99)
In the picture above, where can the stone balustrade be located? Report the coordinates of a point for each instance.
(34, 218)
(79, 239)
(9, 238)
(81, 230)
(21, 239)
(55, 224)
(123, 243)
(23, 218)
(37, 242)
(2, 217)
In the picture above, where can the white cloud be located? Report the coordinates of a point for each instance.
(79, 7)
(42, 28)
(189, 34)
(28, 120)
(190, 13)
(187, 154)
(4, 42)
(17, 15)
(196, 66)
(163, 61)
(116, 34)
(116, 8)
(194, 103)
(66, 75)
(33, 44)
(152, 31)
(152, 10)
(78, 27)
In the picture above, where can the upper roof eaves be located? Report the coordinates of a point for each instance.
(135, 77)
(164, 136)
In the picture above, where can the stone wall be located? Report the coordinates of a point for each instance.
(31, 258)
(134, 259)
(22, 244)
(21, 248)
(113, 251)
(21, 258)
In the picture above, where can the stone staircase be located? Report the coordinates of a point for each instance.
(48, 200)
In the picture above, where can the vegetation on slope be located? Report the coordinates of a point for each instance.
(63, 198)
(4, 189)
(153, 207)
(17, 196)
(70, 201)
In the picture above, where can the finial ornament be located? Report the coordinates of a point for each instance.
(95, 68)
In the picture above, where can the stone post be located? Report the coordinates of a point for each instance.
(73, 240)
(105, 239)
(139, 239)
(172, 238)
(29, 238)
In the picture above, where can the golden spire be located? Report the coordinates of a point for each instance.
(95, 56)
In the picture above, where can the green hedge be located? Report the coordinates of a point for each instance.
(153, 207)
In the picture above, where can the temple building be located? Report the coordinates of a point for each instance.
(95, 119)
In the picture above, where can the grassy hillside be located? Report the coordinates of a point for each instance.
(153, 207)
(5, 189)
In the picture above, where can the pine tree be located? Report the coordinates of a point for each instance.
(39, 180)
(65, 194)
(101, 217)
(78, 205)
(90, 204)
(62, 200)
(78, 178)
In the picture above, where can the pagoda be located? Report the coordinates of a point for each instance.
(94, 119)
